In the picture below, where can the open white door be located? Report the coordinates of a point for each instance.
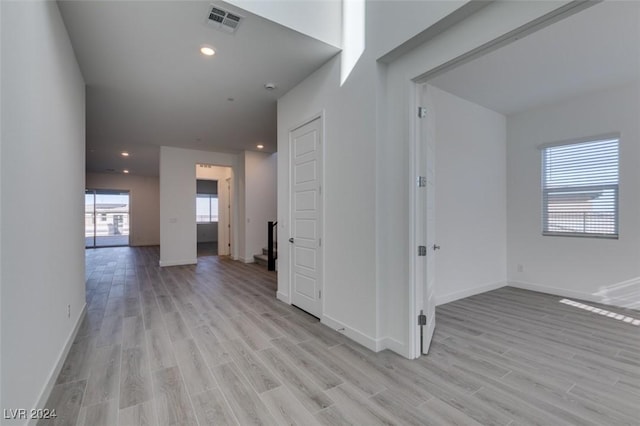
(425, 216)
(306, 217)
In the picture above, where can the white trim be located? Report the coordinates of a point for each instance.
(586, 139)
(53, 377)
(415, 299)
(164, 263)
(355, 335)
(451, 297)
(393, 345)
(283, 297)
(557, 291)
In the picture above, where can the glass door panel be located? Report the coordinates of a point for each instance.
(110, 218)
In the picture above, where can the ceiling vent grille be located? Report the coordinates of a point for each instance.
(223, 20)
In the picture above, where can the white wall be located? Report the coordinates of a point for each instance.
(575, 267)
(349, 294)
(471, 211)
(144, 210)
(260, 200)
(178, 205)
(368, 178)
(42, 169)
(319, 19)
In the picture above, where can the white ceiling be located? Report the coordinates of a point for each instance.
(148, 85)
(591, 50)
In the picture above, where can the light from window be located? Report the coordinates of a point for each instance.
(206, 208)
(580, 188)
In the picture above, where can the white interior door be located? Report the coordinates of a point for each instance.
(306, 217)
(425, 214)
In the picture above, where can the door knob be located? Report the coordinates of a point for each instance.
(291, 240)
(435, 247)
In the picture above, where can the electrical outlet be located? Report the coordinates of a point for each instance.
(520, 268)
(68, 311)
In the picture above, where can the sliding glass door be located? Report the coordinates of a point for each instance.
(106, 218)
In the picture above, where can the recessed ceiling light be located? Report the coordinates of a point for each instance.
(125, 171)
(124, 153)
(260, 146)
(207, 51)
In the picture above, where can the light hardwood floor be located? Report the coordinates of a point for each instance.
(210, 345)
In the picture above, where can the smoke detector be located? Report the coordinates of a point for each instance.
(223, 20)
(270, 86)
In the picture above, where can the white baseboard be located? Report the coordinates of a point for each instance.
(556, 291)
(46, 391)
(164, 263)
(451, 297)
(393, 345)
(355, 335)
(283, 298)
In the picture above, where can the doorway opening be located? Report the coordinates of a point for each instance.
(106, 218)
(213, 210)
(500, 91)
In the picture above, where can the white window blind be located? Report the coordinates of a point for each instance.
(580, 188)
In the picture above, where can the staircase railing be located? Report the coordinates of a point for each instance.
(272, 240)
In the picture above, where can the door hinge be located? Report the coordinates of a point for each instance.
(319, 242)
(422, 250)
(421, 181)
(422, 112)
(422, 318)
(319, 294)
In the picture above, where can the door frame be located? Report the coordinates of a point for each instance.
(416, 289)
(317, 116)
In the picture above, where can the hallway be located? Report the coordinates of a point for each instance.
(210, 345)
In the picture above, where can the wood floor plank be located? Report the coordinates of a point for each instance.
(396, 406)
(104, 380)
(133, 332)
(77, 366)
(251, 367)
(286, 409)
(111, 331)
(358, 407)
(347, 372)
(192, 366)
(138, 415)
(171, 400)
(247, 332)
(212, 349)
(160, 349)
(302, 387)
(103, 414)
(504, 357)
(296, 333)
(212, 409)
(135, 381)
(66, 400)
(245, 403)
(176, 326)
(305, 362)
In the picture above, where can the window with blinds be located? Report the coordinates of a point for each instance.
(580, 188)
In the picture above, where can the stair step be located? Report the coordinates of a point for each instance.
(261, 259)
(265, 251)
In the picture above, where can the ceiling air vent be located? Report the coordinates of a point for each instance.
(223, 20)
